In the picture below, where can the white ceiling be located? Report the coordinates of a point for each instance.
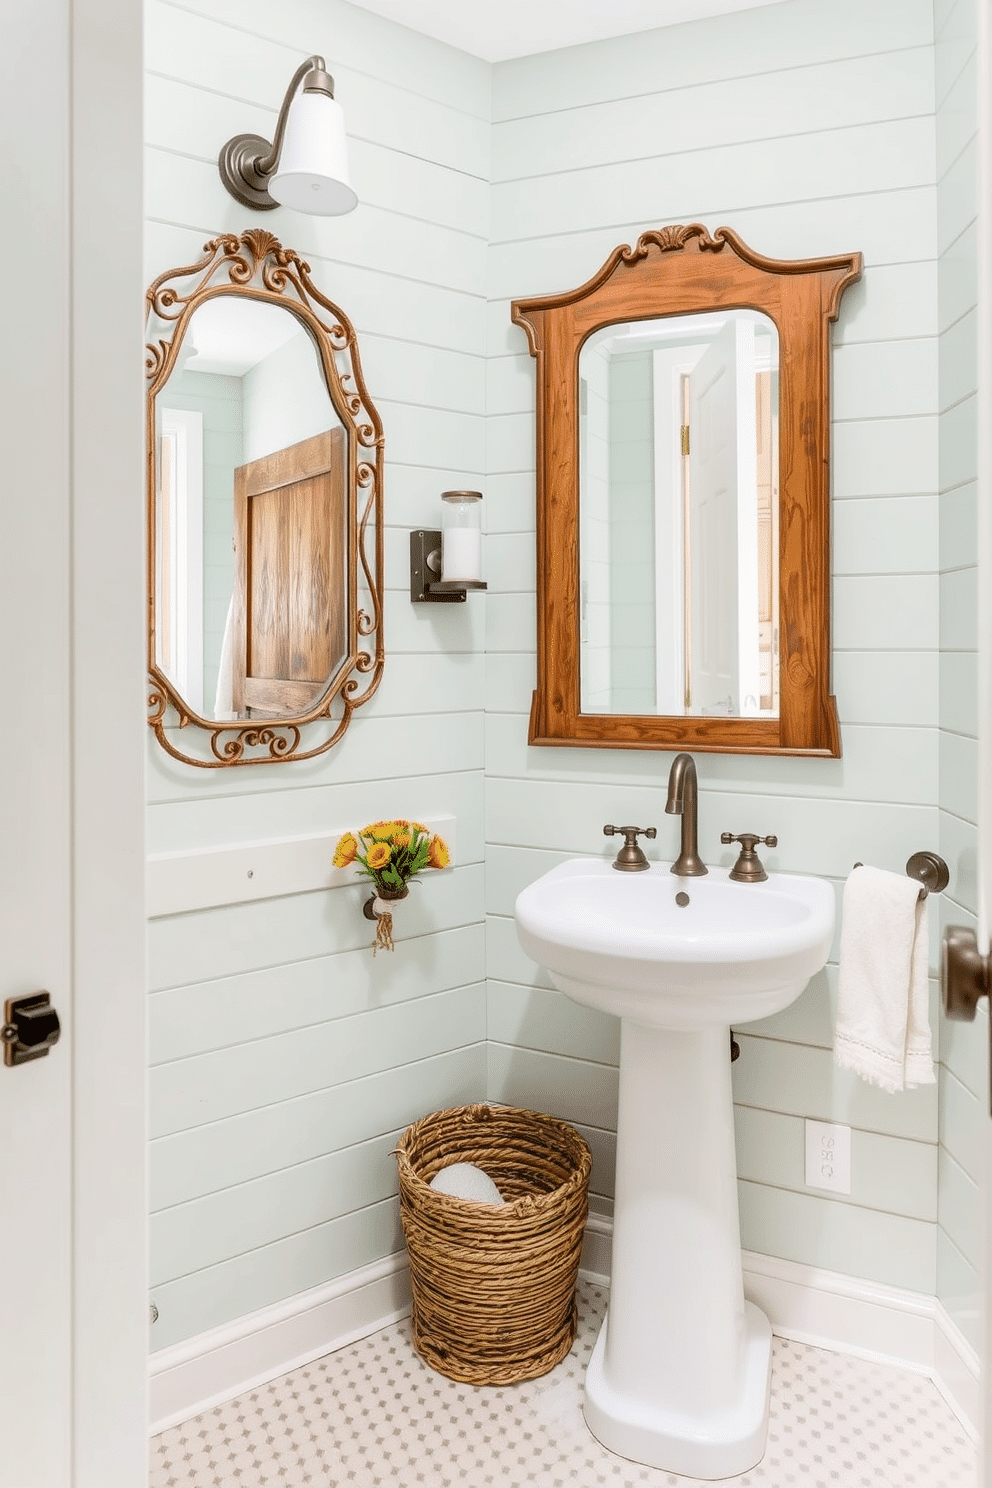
(499, 29)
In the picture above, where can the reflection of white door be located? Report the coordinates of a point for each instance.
(723, 525)
(74, 1330)
(180, 552)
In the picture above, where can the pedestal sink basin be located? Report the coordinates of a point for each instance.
(679, 1378)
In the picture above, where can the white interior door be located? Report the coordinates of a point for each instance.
(984, 420)
(72, 1360)
(723, 506)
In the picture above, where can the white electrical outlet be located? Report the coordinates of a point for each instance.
(828, 1156)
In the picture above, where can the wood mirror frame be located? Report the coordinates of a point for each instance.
(679, 270)
(256, 266)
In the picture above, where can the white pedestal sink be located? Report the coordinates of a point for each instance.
(679, 1377)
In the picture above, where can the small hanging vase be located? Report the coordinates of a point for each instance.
(378, 908)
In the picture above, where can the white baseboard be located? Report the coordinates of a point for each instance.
(823, 1308)
(204, 1371)
(957, 1372)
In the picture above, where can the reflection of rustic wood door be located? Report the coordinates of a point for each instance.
(290, 587)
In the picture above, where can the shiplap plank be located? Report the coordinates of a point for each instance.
(281, 800)
(256, 1278)
(236, 938)
(819, 836)
(958, 1207)
(884, 611)
(961, 1125)
(821, 95)
(887, 1173)
(889, 156)
(205, 1232)
(221, 1083)
(815, 1231)
(533, 1018)
(181, 882)
(959, 609)
(956, 196)
(888, 227)
(185, 1021)
(879, 764)
(572, 1089)
(800, 1081)
(726, 46)
(885, 534)
(193, 1163)
(960, 1290)
(884, 379)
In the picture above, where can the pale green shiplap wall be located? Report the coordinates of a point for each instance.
(964, 1065)
(810, 130)
(284, 1059)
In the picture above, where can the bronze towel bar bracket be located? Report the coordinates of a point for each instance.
(930, 869)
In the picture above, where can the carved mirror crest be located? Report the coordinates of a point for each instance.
(683, 499)
(265, 528)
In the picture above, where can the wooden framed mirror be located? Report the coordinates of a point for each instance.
(683, 499)
(265, 528)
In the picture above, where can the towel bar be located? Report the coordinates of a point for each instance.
(930, 869)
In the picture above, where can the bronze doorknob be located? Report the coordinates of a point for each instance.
(964, 973)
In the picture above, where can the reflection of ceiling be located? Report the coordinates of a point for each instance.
(634, 335)
(499, 29)
(231, 335)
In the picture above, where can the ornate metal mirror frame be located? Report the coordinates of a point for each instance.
(675, 271)
(255, 265)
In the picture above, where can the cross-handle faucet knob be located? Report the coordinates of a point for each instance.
(748, 868)
(630, 858)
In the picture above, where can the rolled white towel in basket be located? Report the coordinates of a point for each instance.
(466, 1181)
(883, 1015)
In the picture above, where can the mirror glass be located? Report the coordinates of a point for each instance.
(679, 516)
(251, 572)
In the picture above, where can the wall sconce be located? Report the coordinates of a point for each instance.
(306, 166)
(445, 564)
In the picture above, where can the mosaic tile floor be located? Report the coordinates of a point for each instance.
(374, 1414)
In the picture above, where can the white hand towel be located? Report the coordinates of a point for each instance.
(883, 1018)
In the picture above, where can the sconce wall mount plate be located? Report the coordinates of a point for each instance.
(237, 163)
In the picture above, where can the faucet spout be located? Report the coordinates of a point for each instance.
(683, 793)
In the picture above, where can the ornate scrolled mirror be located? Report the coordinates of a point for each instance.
(264, 510)
(683, 499)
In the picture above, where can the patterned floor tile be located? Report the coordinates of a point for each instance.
(374, 1414)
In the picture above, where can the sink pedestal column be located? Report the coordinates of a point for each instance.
(679, 1378)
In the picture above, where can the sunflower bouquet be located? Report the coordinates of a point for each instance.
(390, 853)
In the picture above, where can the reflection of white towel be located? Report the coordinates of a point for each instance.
(883, 1023)
(224, 699)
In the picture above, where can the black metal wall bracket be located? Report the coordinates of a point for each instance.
(426, 585)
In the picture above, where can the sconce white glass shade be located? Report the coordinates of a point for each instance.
(312, 173)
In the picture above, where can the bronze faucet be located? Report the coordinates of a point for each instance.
(682, 796)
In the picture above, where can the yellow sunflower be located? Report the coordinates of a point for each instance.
(402, 839)
(380, 831)
(379, 855)
(437, 853)
(345, 851)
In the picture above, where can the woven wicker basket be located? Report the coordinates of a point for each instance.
(494, 1288)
